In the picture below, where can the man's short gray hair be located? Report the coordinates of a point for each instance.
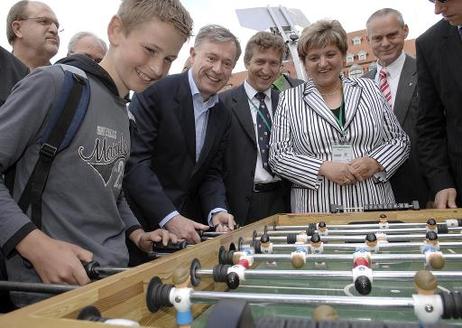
(384, 12)
(217, 34)
(80, 35)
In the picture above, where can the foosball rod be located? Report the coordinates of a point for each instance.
(35, 287)
(448, 222)
(343, 275)
(427, 308)
(364, 231)
(360, 238)
(353, 246)
(376, 258)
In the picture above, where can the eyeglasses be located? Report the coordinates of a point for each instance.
(45, 21)
(440, 1)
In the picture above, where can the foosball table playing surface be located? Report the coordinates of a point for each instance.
(279, 270)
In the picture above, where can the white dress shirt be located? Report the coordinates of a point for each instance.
(393, 75)
(261, 175)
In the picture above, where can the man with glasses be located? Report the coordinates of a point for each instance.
(88, 44)
(32, 31)
(439, 71)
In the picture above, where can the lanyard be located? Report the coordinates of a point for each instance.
(268, 125)
(339, 119)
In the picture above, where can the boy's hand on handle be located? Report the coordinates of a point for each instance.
(54, 260)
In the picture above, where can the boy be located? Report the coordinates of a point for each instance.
(84, 214)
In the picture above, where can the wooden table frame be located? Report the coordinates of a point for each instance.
(123, 295)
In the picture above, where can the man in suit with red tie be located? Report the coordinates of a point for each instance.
(439, 69)
(253, 191)
(396, 76)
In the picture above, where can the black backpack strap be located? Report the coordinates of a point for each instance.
(60, 130)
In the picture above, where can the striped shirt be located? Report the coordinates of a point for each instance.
(304, 130)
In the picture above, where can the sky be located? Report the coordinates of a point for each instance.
(94, 15)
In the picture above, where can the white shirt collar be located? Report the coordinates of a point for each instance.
(394, 68)
(251, 92)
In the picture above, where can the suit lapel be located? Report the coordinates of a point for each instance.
(314, 100)
(185, 112)
(274, 100)
(241, 109)
(351, 97)
(452, 52)
(406, 87)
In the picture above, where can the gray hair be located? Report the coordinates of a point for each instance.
(217, 34)
(384, 12)
(80, 35)
(17, 12)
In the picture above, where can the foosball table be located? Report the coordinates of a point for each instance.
(369, 269)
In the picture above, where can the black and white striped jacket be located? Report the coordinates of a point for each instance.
(304, 130)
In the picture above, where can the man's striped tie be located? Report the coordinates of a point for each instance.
(384, 86)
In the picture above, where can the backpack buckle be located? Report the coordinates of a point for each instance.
(48, 150)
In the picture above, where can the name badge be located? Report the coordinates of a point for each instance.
(342, 153)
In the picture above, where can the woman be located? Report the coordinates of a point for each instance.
(335, 137)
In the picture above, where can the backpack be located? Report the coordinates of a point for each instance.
(64, 121)
(62, 124)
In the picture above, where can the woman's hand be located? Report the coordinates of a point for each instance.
(337, 172)
(364, 167)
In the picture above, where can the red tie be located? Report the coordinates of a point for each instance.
(384, 86)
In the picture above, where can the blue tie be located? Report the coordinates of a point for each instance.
(263, 130)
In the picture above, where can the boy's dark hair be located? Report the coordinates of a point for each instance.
(136, 12)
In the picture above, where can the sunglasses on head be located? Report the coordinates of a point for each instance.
(440, 1)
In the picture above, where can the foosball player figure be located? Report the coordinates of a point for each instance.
(182, 281)
(372, 242)
(425, 283)
(316, 245)
(381, 237)
(362, 272)
(431, 225)
(266, 247)
(434, 260)
(298, 257)
(431, 243)
(324, 313)
(383, 221)
(322, 228)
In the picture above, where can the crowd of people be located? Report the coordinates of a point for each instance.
(181, 156)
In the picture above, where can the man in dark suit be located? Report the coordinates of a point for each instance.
(439, 71)
(252, 190)
(174, 175)
(386, 32)
(11, 71)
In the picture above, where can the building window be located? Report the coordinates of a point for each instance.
(355, 71)
(350, 58)
(362, 55)
(356, 40)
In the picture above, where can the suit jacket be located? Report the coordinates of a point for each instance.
(439, 69)
(305, 129)
(408, 183)
(242, 151)
(11, 71)
(162, 174)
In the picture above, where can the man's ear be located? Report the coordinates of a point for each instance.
(16, 27)
(115, 30)
(406, 30)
